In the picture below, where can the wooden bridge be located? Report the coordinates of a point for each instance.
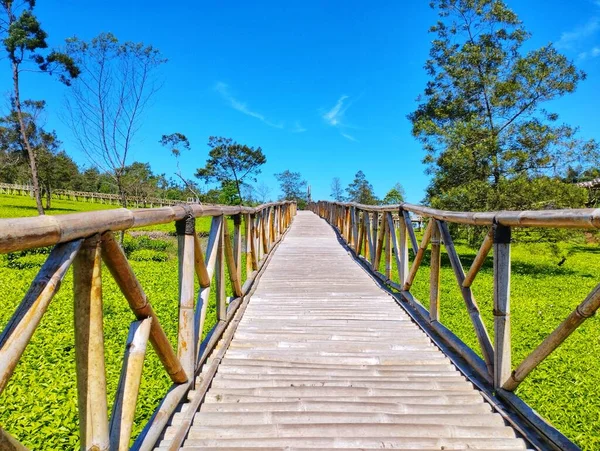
(316, 349)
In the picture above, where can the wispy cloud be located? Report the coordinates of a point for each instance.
(298, 128)
(580, 36)
(242, 107)
(593, 53)
(335, 116)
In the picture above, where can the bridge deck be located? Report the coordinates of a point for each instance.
(323, 358)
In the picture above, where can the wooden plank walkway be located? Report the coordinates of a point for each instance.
(325, 359)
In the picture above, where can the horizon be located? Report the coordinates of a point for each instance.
(324, 90)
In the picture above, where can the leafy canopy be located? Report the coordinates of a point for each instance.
(229, 161)
(481, 118)
(361, 191)
(293, 187)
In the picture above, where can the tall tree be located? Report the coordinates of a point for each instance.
(394, 196)
(293, 187)
(229, 161)
(481, 119)
(53, 169)
(337, 192)
(361, 191)
(107, 102)
(263, 192)
(23, 39)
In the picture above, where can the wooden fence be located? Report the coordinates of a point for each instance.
(85, 240)
(84, 196)
(373, 235)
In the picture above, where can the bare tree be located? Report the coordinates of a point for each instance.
(263, 192)
(337, 192)
(108, 99)
(176, 142)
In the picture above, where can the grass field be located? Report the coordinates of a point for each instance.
(39, 404)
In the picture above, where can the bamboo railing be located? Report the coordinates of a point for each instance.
(371, 232)
(85, 240)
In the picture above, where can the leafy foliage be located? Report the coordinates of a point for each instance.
(481, 119)
(292, 187)
(229, 161)
(361, 191)
(394, 195)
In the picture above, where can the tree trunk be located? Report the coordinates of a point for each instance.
(32, 163)
(48, 197)
(237, 184)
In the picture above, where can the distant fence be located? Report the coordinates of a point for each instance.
(84, 196)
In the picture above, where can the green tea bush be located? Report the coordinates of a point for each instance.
(143, 255)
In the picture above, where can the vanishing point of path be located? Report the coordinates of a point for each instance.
(323, 358)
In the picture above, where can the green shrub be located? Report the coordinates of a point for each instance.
(146, 255)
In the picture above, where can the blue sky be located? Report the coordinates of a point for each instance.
(323, 87)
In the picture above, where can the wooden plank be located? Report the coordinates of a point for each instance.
(9, 443)
(20, 327)
(200, 265)
(123, 411)
(220, 279)
(89, 346)
(502, 343)
(400, 252)
(480, 330)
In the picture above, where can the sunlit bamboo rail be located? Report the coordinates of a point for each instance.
(84, 240)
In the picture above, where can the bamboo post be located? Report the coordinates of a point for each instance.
(480, 330)
(9, 443)
(20, 327)
(216, 228)
(119, 267)
(381, 242)
(220, 279)
(434, 273)
(369, 248)
(411, 232)
(253, 246)
(186, 231)
(249, 246)
(354, 221)
(374, 241)
(502, 348)
(388, 249)
(200, 265)
(484, 250)
(89, 346)
(583, 311)
(230, 258)
(123, 412)
(419, 256)
(360, 227)
(402, 250)
(265, 231)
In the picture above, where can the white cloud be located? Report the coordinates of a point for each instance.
(593, 53)
(577, 38)
(333, 117)
(349, 137)
(223, 90)
(298, 128)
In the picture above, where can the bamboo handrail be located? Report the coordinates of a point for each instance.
(84, 240)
